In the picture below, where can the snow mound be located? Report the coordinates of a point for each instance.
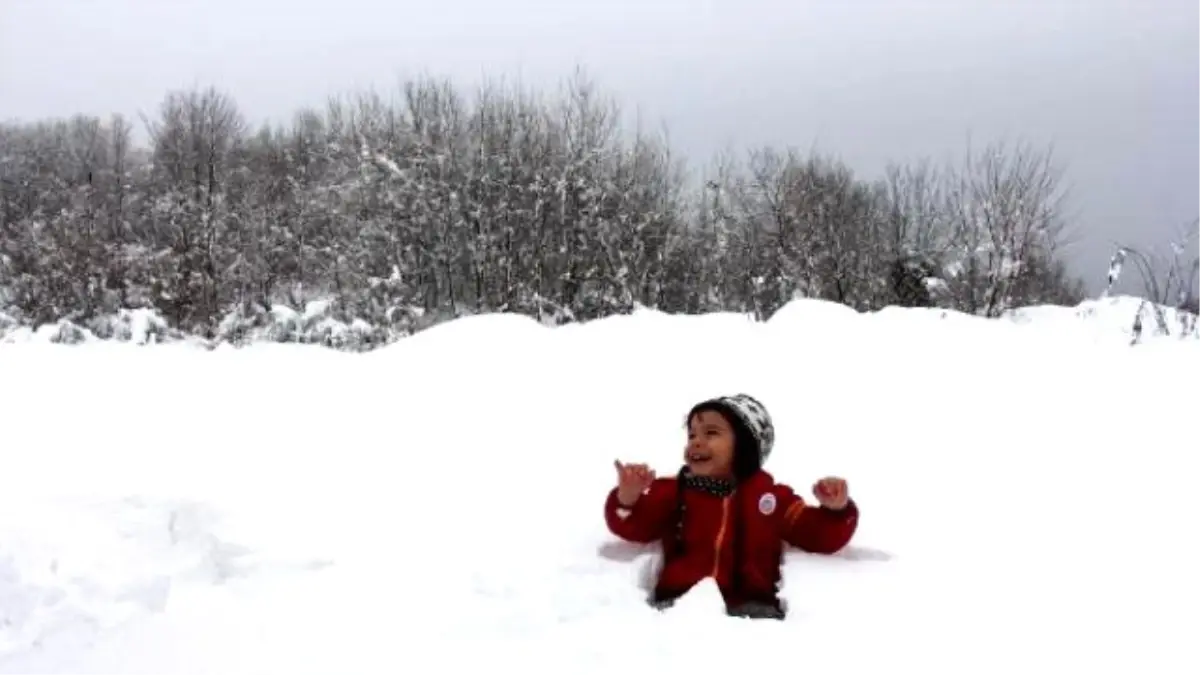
(1110, 318)
(803, 313)
(497, 331)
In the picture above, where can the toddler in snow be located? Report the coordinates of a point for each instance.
(724, 517)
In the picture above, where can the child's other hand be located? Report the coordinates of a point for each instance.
(832, 493)
(632, 481)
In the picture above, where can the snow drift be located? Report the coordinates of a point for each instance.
(435, 505)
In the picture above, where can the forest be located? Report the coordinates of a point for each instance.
(371, 217)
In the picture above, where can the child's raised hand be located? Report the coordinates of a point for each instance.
(832, 493)
(632, 481)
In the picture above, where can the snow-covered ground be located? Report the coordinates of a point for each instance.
(1027, 486)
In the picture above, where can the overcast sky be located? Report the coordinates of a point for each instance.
(1113, 84)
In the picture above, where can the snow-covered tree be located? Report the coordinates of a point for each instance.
(376, 215)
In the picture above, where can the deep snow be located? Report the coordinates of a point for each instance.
(1026, 489)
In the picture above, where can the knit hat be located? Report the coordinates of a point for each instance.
(754, 415)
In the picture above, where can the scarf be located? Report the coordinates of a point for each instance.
(717, 487)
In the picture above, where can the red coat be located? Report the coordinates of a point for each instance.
(758, 518)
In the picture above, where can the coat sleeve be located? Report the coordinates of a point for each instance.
(816, 529)
(650, 517)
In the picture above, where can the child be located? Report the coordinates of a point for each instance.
(723, 516)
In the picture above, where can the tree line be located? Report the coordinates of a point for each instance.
(402, 213)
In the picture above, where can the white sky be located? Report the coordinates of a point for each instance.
(1113, 84)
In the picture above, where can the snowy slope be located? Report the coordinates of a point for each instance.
(435, 506)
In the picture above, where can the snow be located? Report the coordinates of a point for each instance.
(1026, 488)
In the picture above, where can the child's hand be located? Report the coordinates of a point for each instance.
(832, 493)
(632, 481)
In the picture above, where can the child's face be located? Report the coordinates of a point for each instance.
(710, 445)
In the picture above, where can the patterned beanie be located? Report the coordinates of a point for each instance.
(754, 415)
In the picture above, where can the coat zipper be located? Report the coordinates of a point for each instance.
(720, 536)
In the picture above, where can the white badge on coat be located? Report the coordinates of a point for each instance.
(766, 504)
